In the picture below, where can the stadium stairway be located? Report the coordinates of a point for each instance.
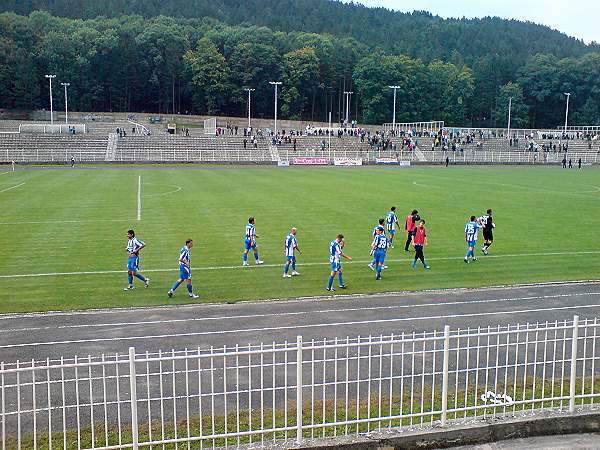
(111, 146)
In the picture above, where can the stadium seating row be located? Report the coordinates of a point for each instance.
(32, 147)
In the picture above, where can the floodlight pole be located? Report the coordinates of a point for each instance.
(329, 137)
(50, 77)
(568, 94)
(348, 94)
(275, 83)
(394, 115)
(509, 107)
(66, 103)
(249, 91)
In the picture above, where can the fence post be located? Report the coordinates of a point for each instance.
(445, 373)
(573, 364)
(299, 389)
(133, 390)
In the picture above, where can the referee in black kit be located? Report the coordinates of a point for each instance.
(488, 230)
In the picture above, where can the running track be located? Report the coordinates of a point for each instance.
(52, 335)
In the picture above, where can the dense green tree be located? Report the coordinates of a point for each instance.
(199, 55)
(300, 80)
(253, 65)
(163, 44)
(542, 89)
(210, 76)
(511, 94)
(374, 74)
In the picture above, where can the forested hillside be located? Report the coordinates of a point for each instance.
(129, 55)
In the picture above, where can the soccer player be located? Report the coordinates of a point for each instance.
(380, 224)
(488, 226)
(134, 245)
(391, 222)
(250, 243)
(185, 270)
(419, 241)
(379, 247)
(471, 237)
(336, 250)
(410, 225)
(290, 245)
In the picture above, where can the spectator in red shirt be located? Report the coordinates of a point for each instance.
(410, 226)
(419, 241)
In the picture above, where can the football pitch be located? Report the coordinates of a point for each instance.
(63, 231)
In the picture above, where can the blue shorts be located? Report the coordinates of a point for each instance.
(379, 256)
(472, 243)
(133, 263)
(392, 232)
(291, 258)
(185, 272)
(249, 245)
(336, 266)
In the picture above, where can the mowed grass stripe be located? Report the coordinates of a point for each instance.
(303, 263)
(212, 207)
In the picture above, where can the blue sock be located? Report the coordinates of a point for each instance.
(175, 285)
(139, 276)
(189, 288)
(414, 263)
(330, 283)
(340, 279)
(294, 265)
(245, 257)
(256, 256)
(468, 253)
(286, 268)
(471, 253)
(379, 270)
(424, 263)
(130, 279)
(373, 262)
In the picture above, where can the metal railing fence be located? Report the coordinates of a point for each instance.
(272, 392)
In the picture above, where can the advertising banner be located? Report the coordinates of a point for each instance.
(310, 161)
(347, 162)
(404, 163)
(281, 163)
(386, 161)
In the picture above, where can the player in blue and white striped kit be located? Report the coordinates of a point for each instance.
(335, 252)
(391, 221)
(250, 243)
(379, 248)
(471, 237)
(290, 246)
(134, 245)
(380, 224)
(185, 270)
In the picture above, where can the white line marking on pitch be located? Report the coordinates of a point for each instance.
(296, 327)
(441, 258)
(294, 300)
(139, 198)
(298, 313)
(65, 221)
(177, 189)
(12, 187)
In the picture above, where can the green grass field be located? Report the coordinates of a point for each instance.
(72, 224)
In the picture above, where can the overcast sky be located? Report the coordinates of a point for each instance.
(577, 18)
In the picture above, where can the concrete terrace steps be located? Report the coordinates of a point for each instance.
(51, 148)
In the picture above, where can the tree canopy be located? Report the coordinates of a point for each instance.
(199, 56)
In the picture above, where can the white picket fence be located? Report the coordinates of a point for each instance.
(508, 157)
(237, 395)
